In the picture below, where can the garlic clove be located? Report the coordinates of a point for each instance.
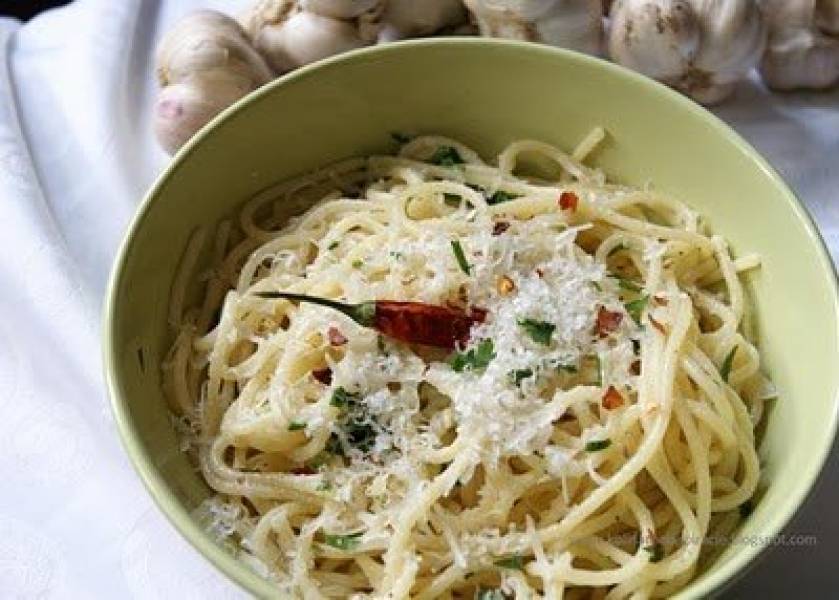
(206, 40)
(733, 34)
(303, 38)
(827, 16)
(659, 38)
(575, 24)
(409, 18)
(801, 58)
(339, 9)
(183, 108)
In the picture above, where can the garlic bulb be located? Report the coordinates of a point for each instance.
(701, 47)
(289, 37)
(575, 24)
(401, 19)
(799, 55)
(204, 64)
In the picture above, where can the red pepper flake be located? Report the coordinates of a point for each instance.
(304, 470)
(660, 299)
(568, 201)
(323, 375)
(336, 338)
(500, 227)
(635, 367)
(540, 273)
(658, 326)
(612, 399)
(607, 321)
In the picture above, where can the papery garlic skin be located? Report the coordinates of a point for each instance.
(204, 64)
(799, 55)
(574, 24)
(700, 47)
(402, 19)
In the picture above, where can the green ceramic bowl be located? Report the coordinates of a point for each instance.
(484, 92)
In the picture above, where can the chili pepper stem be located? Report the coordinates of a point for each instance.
(363, 313)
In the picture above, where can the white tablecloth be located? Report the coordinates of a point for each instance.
(76, 154)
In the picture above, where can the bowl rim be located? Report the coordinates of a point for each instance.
(235, 569)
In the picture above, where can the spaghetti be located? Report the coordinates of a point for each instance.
(595, 427)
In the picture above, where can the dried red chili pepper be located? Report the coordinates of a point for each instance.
(568, 201)
(612, 398)
(412, 322)
(324, 376)
(607, 321)
(336, 338)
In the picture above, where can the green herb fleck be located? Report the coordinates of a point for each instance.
(567, 368)
(333, 245)
(452, 200)
(519, 375)
(343, 542)
(324, 486)
(500, 196)
(656, 551)
(539, 331)
(356, 264)
(598, 445)
(746, 509)
(342, 398)
(511, 562)
(725, 369)
(296, 425)
(490, 594)
(636, 307)
(395, 254)
(616, 249)
(460, 256)
(446, 156)
(628, 285)
(475, 358)
(399, 137)
(596, 286)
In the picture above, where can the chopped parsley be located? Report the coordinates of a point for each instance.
(457, 249)
(395, 254)
(475, 358)
(490, 594)
(636, 307)
(746, 509)
(452, 200)
(399, 137)
(499, 197)
(342, 398)
(596, 286)
(356, 264)
(725, 369)
(539, 331)
(324, 486)
(342, 542)
(296, 425)
(446, 156)
(516, 561)
(519, 375)
(333, 245)
(628, 285)
(598, 445)
(567, 368)
(656, 551)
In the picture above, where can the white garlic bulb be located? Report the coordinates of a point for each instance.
(401, 19)
(204, 64)
(289, 37)
(799, 55)
(575, 24)
(701, 47)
